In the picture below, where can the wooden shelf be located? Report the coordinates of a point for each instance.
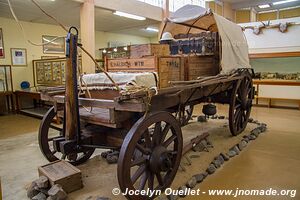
(276, 82)
(274, 55)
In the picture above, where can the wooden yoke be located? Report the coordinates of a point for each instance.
(72, 123)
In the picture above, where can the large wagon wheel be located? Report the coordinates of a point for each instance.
(184, 114)
(48, 132)
(240, 105)
(150, 154)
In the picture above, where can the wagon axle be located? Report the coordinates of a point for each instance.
(161, 160)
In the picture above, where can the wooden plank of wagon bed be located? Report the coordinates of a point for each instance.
(109, 104)
(175, 89)
(98, 116)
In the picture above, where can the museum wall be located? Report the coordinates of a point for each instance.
(242, 16)
(228, 12)
(222, 8)
(13, 39)
(273, 41)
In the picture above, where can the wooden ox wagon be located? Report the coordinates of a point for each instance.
(140, 121)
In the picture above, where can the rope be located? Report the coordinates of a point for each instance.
(63, 27)
(133, 89)
(23, 31)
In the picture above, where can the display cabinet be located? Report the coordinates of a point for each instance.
(6, 89)
(5, 79)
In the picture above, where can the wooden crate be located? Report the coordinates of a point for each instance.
(168, 68)
(196, 66)
(142, 50)
(62, 173)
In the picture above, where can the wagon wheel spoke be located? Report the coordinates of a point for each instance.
(169, 140)
(151, 181)
(138, 173)
(159, 179)
(172, 152)
(157, 128)
(165, 132)
(148, 139)
(138, 161)
(237, 106)
(55, 128)
(52, 138)
(236, 114)
(142, 149)
(143, 180)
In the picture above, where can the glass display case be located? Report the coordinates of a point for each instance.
(5, 79)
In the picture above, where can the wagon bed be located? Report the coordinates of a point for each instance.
(143, 123)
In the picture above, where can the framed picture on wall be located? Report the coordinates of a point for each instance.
(1, 45)
(18, 56)
(53, 46)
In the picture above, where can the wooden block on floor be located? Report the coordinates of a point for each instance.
(62, 173)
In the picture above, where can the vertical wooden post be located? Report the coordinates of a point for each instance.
(165, 13)
(87, 34)
(71, 96)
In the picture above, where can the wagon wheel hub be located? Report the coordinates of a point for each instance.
(245, 103)
(161, 160)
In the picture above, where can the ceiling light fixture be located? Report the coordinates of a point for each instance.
(282, 2)
(264, 6)
(131, 16)
(152, 29)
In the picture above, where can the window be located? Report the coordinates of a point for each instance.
(175, 4)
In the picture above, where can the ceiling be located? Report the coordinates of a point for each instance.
(67, 12)
(239, 4)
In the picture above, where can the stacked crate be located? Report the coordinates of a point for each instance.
(200, 66)
(168, 68)
(157, 58)
(142, 50)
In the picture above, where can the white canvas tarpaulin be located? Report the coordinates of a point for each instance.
(100, 81)
(195, 19)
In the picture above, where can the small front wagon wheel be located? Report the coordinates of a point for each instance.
(48, 132)
(150, 154)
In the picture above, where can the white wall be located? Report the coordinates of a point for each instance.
(272, 40)
(13, 39)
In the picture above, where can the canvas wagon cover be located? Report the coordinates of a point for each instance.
(195, 19)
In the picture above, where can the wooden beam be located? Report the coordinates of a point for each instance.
(71, 102)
